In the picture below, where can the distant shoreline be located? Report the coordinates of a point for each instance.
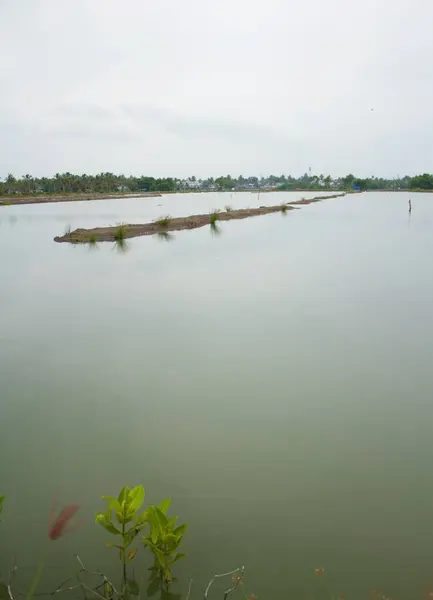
(11, 200)
(43, 199)
(165, 225)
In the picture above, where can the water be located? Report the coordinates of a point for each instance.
(274, 380)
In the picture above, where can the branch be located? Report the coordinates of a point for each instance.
(10, 580)
(189, 590)
(226, 593)
(98, 574)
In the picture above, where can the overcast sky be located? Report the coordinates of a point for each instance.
(204, 87)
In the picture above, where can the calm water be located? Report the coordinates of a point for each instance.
(275, 380)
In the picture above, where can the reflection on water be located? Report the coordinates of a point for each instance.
(215, 229)
(165, 236)
(121, 246)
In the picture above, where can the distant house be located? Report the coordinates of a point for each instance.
(123, 188)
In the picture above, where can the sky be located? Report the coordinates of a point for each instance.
(205, 88)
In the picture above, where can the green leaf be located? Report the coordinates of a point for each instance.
(136, 498)
(165, 505)
(112, 503)
(161, 518)
(132, 587)
(123, 495)
(102, 520)
(142, 518)
(172, 521)
(160, 557)
(129, 536)
(178, 557)
(180, 531)
(154, 585)
(124, 517)
(171, 542)
(154, 535)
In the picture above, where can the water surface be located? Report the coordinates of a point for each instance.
(274, 380)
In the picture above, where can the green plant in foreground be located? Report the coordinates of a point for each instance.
(127, 523)
(124, 519)
(164, 541)
(164, 221)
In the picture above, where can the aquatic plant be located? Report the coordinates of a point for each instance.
(126, 510)
(93, 239)
(164, 540)
(123, 518)
(120, 232)
(163, 221)
(284, 208)
(228, 208)
(214, 216)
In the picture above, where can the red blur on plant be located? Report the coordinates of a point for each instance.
(61, 524)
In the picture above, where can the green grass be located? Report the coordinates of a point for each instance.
(228, 208)
(6, 203)
(214, 216)
(284, 208)
(120, 233)
(163, 221)
(93, 239)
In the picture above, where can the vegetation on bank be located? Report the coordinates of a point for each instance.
(164, 225)
(134, 529)
(110, 183)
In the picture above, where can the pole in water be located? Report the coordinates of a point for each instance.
(410, 206)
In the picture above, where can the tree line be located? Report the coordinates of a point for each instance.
(69, 183)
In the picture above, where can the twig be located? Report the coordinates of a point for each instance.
(189, 589)
(98, 574)
(10, 580)
(237, 582)
(241, 569)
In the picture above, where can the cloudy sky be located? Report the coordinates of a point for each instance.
(204, 87)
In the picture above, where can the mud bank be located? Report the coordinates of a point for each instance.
(17, 200)
(167, 224)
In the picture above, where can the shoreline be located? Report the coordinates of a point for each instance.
(45, 199)
(166, 225)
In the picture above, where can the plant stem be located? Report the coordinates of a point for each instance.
(124, 556)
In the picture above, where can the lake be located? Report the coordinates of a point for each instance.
(274, 380)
